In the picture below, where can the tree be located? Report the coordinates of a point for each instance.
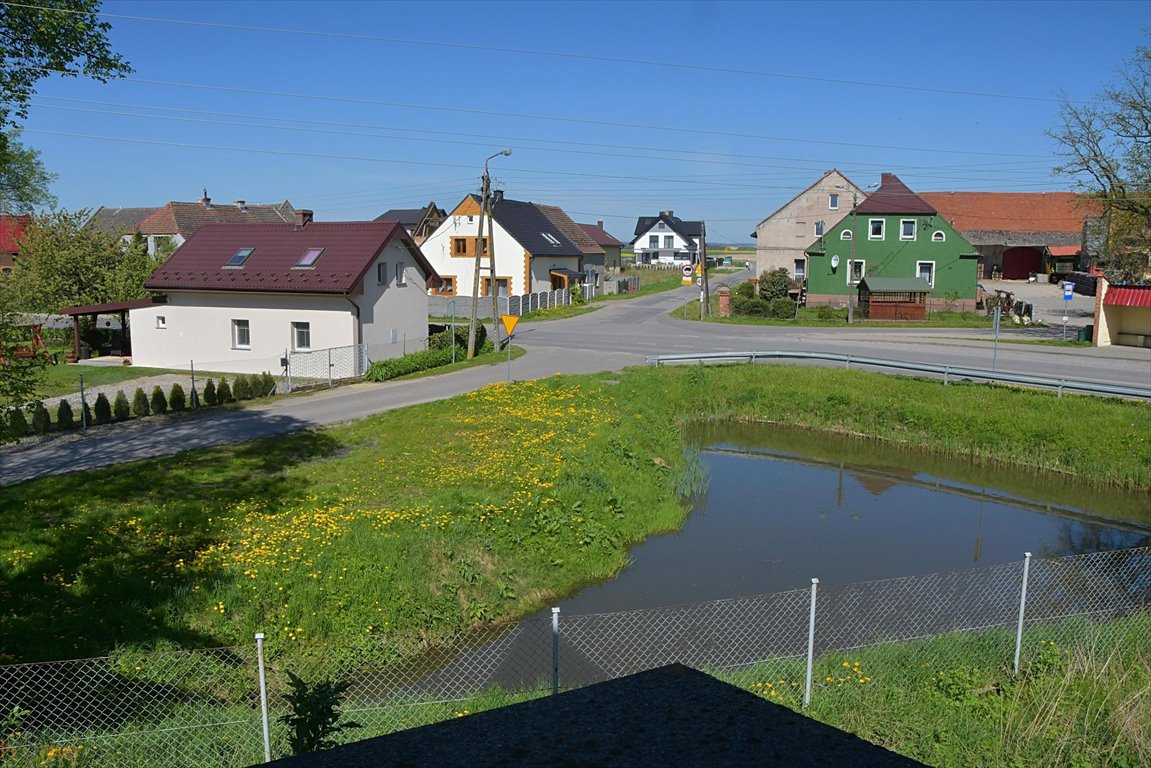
(20, 374)
(23, 180)
(51, 37)
(773, 284)
(1106, 148)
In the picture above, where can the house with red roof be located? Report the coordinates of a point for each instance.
(1018, 234)
(239, 297)
(11, 233)
(612, 248)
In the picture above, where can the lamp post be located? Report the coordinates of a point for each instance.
(485, 203)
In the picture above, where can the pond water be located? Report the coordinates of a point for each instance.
(785, 506)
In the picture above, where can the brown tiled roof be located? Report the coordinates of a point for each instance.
(350, 248)
(893, 196)
(12, 231)
(1013, 211)
(119, 221)
(571, 230)
(185, 218)
(600, 235)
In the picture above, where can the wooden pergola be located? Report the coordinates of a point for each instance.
(893, 298)
(115, 308)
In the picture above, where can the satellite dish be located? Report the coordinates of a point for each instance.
(835, 261)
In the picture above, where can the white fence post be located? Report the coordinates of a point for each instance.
(555, 651)
(810, 644)
(264, 697)
(1022, 609)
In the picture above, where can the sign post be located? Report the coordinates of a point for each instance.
(995, 349)
(1068, 292)
(687, 270)
(509, 322)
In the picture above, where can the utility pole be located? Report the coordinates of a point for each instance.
(705, 304)
(851, 263)
(485, 209)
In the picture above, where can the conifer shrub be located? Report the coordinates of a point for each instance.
(210, 393)
(102, 409)
(41, 419)
(224, 392)
(177, 400)
(140, 407)
(121, 409)
(86, 414)
(267, 384)
(159, 400)
(194, 399)
(17, 423)
(65, 419)
(242, 387)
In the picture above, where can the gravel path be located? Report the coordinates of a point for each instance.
(165, 382)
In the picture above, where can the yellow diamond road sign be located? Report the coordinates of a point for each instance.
(509, 322)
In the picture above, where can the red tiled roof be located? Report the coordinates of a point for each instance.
(1127, 296)
(350, 248)
(1063, 250)
(186, 218)
(600, 235)
(1014, 211)
(12, 231)
(893, 196)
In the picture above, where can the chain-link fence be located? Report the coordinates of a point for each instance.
(209, 707)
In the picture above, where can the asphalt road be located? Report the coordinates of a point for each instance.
(617, 335)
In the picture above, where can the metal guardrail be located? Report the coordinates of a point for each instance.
(946, 371)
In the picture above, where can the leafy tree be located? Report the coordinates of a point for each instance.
(140, 407)
(177, 400)
(19, 375)
(773, 284)
(51, 37)
(24, 182)
(159, 401)
(120, 407)
(103, 409)
(1105, 145)
(65, 419)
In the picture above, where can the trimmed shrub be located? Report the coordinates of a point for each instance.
(746, 290)
(242, 387)
(41, 419)
(267, 384)
(140, 407)
(210, 393)
(384, 370)
(754, 307)
(224, 392)
(773, 284)
(177, 400)
(102, 409)
(17, 423)
(159, 401)
(120, 407)
(65, 419)
(781, 307)
(443, 339)
(825, 313)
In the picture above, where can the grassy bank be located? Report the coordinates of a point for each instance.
(830, 318)
(429, 519)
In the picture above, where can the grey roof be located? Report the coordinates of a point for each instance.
(118, 221)
(409, 217)
(896, 284)
(532, 229)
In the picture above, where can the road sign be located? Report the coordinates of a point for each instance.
(687, 270)
(1068, 291)
(699, 281)
(509, 322)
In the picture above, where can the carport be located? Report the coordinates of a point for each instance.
(94, 311)
(565, 278)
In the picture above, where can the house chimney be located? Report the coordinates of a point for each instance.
(205, 200)
(668, 213)
(243, 206)
(497, 196)
(599, 223)
(303, 218)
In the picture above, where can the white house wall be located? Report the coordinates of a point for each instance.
(541, 267)
(509, 254)
(666, 254)
(393, 314)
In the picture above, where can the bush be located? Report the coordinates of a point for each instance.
(268, 384)
(825, 313)
(242, 387)
(773, 284)
(41, 420)
(782, 307)
(443, 339)
(159, 402)
(753, 307)
(103, 409)
(384, 370)
(140, 407)
(64, 416)
(120, 407)
(17, 423)
(224, 392)
(177, 400)
(210, 393)
(745, 290)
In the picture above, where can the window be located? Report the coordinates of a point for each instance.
(239, 257)
(459, 246)
(669, 241)
(447, 286)
(301, 337)
(400, 273)
(653, 241)
(800, 271)
(308, 260)
(819, 229)
(662, 225)
(502, 284)
(161, 321)
(845, 234)
(937, 236)
(241, 335)
(833, 201)
(875, 229)
(907, 229)
(801, 229)
(856, 271)
(926, 270)
(382, 273)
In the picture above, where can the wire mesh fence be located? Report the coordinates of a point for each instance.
(206, 707)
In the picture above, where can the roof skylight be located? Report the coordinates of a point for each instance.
(308, 260)
(550, 238)
(239, 257)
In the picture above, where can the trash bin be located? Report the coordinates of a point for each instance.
(1087, 333)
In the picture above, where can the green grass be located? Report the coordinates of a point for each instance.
(558, 313)
(809, 317)
(651, 281)
(64, 379)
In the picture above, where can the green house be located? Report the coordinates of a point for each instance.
(894, 233)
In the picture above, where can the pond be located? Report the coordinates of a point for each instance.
(783, 506)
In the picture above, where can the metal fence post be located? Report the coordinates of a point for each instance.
(264, 697)
(847, 362)
(1022, 608)
(192, 395)
(555, 651)
(329, 367)
(288, 369)
(83, 405)
(946, 374)
(810, 644)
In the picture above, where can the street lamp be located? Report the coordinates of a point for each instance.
(485, 209)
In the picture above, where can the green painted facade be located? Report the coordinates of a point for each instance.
(952, 260)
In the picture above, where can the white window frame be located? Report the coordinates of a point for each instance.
(938, 236)
(851, 268)
(381, 273)
(669, 241)
(903, 235)
(400, 281)
(799, 269)
(919, 264)
(833, 201)
(306, 328)
(871, 229)
(819, 228)
(845, 234)
(653, 241)
(241, 328)
(161, 322)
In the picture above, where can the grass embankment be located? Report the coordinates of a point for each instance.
(433, 518)
(812, 317)
(650, 281)
(60, 380)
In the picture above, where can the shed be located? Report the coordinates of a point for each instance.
(893, 298)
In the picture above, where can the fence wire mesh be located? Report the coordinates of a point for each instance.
(198, 708)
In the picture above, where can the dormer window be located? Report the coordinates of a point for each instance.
(308, 260)
(239, 257)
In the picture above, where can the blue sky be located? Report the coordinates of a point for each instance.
(721, 111)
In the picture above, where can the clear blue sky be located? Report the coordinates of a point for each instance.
(721, 111)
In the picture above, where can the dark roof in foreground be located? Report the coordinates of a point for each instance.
(672, 717)
(532, 229)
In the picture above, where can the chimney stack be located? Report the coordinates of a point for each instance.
(599, 223)
(497, 196)
(243, 206)
(205, 200)
(303, 218)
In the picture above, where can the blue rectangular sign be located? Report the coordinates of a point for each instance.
(1068, 291)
